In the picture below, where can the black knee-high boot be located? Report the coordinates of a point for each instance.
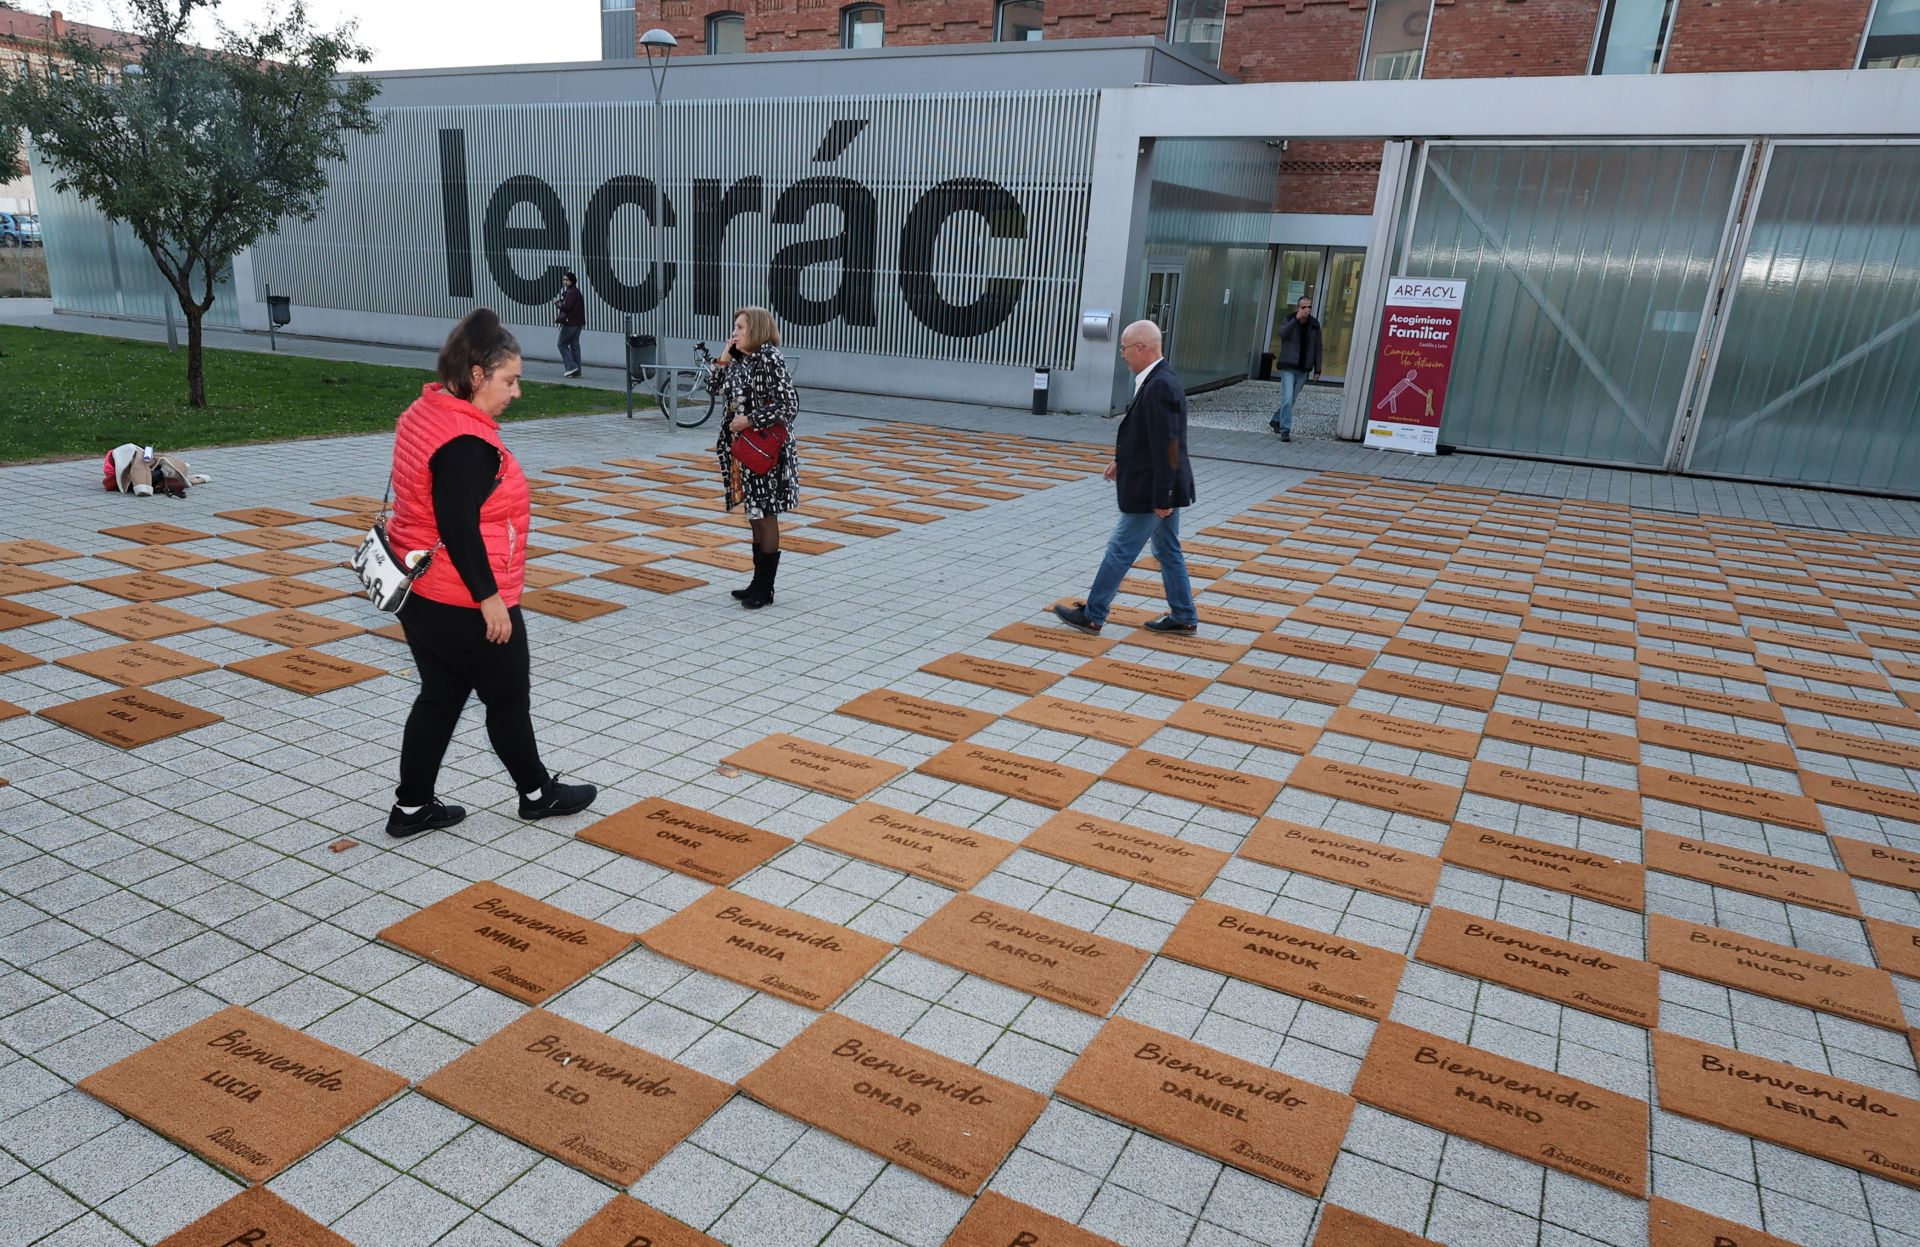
(766, 568)
(759, 577)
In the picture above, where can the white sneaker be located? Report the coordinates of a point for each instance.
(574, 373)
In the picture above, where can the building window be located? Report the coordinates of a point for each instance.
(1197, 27)
(1396, 39)
(1018, 21)
(726, 34)
(1893, 36)
(1632, 38)
(863, 26)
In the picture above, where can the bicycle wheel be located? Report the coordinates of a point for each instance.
(691, 415)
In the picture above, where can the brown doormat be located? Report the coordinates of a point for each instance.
(284, 592)
(939, 1117)
(1399, 873)
(836, 772)
(1447, 655)
(1059, 640)
(696, 537)
(1186, 645)
(1461, 625)
(1116, 727)
(652, 579)
(136, 664)
(996, 1221)
(154, 534)
(809, 545)
(1625, 989)
(499, 938)
(1847, 1123)
(537, 577)
(255, 1215)
(1287, 684)
(146, 586)
(938, 719)
(1029, 953)
(572, 607)
(1535, 1114)
(1825, 673)
(1402, 794)
(21, 553)
(1345, 621)
(1314, 649)
(1131, 616)
(1880, 863)
(797, 957)
(1544, 864)
(1390, 729)
(276, 562)
(271, 538)
(1811, 980)
(681, 838)
(1732, 745)
(1743, 870)
(1250, 591)
(1578, 797)
(16, 580)
(1006, 676)
(1896, 946)
(1425, 688)
(923, 847)
(1676, 1225)
(1847, 745)
(1142, 678)
(626, 1222)
(1216, 786)
(264, 517)
(854, 528)
(1845, 707)
(1300, 961)
(130, 718)
(618, 556)
(1129, 852)
(1051, 784)
(583, 534)
(1711, 699)
(584, 1098)
(1241, 1114)
(1895, 803)
(154, 558)
(243, 1092)
(1697, 664)
(1341, 1228)
(305, 671)
(14, 660)
(725, 560)
(1724, 796)
(143, 622)
(1251, 729)
(1613, 746)
(292, 628)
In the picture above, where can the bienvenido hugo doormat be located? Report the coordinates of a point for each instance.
(996, 1221)
(255, 1216)
(243, 1092)
(681, 838)
(584, 1098)
(130, 718)
(799, 958)
(1535, 1114)
(1300, 961)
(936, 1116)
(1029, 953)
(923, 847)
(1625, 989)
(1130, 852)
(1245, 1115)
(1845, 1122)
(1812, 980)
(836, 772)
(626, 1222)
(1368, 864)
(499, 938)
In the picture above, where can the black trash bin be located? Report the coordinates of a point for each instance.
(1266, 365)
(643, 352)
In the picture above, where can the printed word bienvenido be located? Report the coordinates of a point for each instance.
(234, 1044)
(492, 906)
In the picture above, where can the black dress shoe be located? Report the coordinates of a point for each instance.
(1167, 623)
(1076, 617)
(426, 818)
(557, 798)
(1285, 436)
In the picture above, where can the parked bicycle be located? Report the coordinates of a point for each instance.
(680, 390)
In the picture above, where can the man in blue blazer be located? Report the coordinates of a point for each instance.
(1154, 479)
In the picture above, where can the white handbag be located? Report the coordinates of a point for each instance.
(387, 576)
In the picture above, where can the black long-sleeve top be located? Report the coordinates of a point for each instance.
(465, 470)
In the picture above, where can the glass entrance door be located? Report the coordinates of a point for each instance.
(1162, 304)
(1330, 276)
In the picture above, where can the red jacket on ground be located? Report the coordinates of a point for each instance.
(435, 419)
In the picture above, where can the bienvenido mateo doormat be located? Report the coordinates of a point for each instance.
(243, 1092)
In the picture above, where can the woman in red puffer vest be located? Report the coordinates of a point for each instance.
(459, 494)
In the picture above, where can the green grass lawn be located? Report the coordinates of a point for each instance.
(80, 394)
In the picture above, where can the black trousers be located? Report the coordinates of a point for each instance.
(454, 658)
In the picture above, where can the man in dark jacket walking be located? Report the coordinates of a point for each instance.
(571, 315)
(1298, 359)
(1153, 478)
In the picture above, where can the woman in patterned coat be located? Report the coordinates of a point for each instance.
(751, 376)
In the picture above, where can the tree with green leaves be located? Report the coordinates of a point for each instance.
(201, 151)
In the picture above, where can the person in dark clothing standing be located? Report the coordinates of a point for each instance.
(571, 315)
(459, 493)
(1153, 478)
(1298, 359)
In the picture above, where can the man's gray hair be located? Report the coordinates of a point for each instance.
(1144, 332)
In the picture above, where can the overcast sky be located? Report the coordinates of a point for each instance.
(418, 34)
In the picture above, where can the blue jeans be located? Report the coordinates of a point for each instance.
(1291, 380)
(570, 348)
(1130, 535)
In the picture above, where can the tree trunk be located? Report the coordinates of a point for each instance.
(196, 365)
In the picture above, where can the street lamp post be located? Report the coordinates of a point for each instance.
(658, 45)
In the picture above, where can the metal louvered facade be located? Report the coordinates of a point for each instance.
(946, 227)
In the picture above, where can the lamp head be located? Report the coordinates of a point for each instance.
(658, 40)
